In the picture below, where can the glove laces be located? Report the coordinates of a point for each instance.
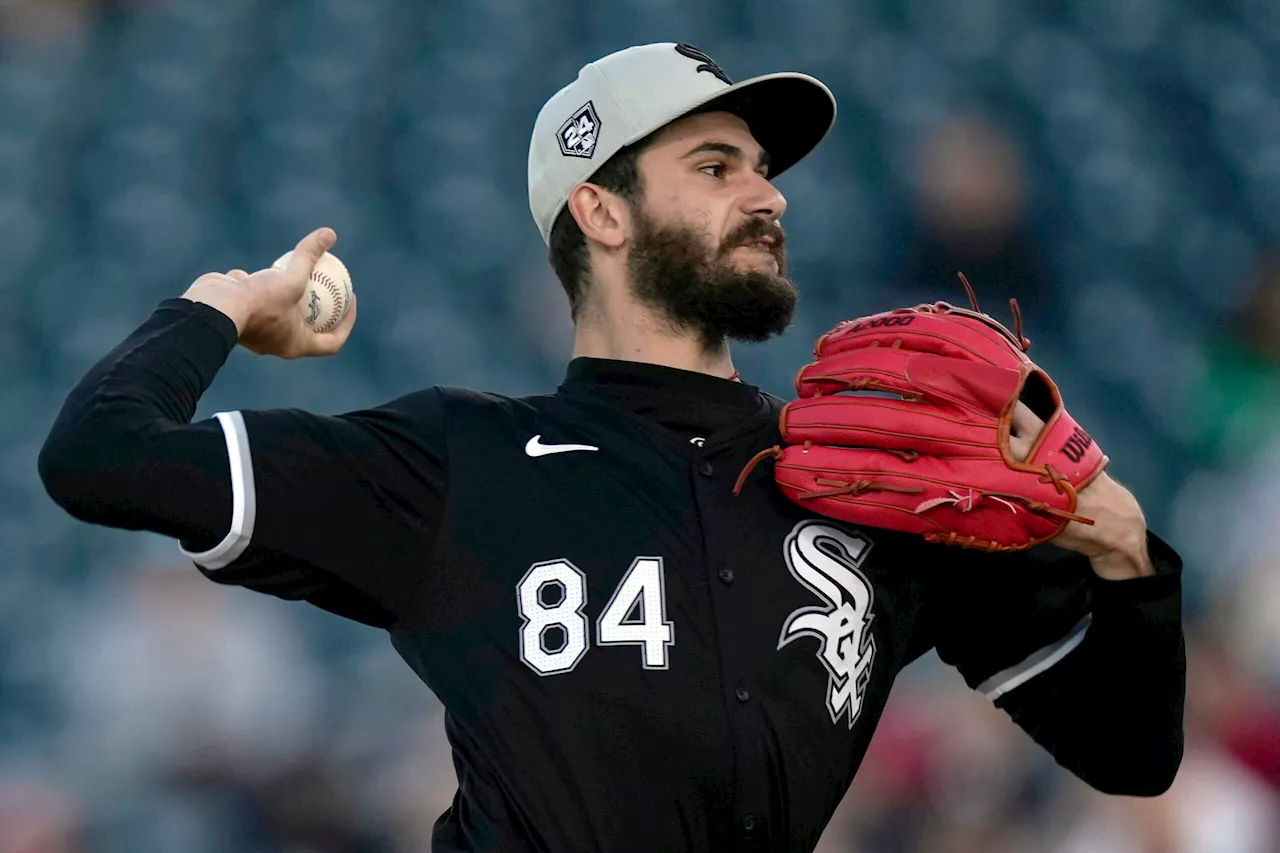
(972, 498)
(965, 501)
(866, 383)
(834, 488)
(1018, 337)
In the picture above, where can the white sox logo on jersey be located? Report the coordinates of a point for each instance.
(826, 560)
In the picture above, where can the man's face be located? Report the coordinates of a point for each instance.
(705, 245)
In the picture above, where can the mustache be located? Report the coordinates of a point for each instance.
(754, 229)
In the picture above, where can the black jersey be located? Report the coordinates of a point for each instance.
(630, 657)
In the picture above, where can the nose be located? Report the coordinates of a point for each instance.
(765, 200)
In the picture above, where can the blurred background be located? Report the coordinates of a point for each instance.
(1115, 164)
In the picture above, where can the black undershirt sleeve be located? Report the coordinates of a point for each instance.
(1094, 670)
(341, 511)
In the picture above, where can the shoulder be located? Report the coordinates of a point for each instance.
(468, 401)
(466, 413)
(429, 404)
(774, 404)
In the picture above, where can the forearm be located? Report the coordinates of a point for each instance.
(1111, 710)
(122, 453)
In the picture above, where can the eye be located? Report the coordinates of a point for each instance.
(714, 170)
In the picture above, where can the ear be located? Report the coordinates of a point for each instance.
(603, 216)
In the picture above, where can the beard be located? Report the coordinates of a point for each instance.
(697, 288)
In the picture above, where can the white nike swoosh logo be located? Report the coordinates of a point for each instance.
(535, 447)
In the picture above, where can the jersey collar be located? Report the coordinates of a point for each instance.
(628, 379)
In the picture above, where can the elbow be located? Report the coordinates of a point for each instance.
(1161, 771)
(57, 473)
(1148, 782)
(70, 477)
(52, 466)
(1148, 773)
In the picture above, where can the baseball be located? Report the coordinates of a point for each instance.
(328, 293)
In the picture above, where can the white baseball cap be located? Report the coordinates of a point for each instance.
(627, 95)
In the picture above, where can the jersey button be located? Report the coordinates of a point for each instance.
(742, 693)
(726, 574)
(705, 469)
(749, 823)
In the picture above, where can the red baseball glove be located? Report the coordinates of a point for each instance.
(903, 422)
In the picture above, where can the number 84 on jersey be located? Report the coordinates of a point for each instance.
(554, 634)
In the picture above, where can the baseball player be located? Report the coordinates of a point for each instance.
(642, 641)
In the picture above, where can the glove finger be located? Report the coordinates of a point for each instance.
(981, 388)
(875, 368)
(973, 385)
(954, 332)
(900, 425)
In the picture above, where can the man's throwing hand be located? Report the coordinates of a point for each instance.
(264, 305)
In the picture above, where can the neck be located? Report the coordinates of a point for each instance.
(641, 336)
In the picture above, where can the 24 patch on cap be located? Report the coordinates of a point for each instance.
(578, 135)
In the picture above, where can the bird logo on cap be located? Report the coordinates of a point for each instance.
(706, 63)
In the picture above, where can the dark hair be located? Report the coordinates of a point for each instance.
(567, 246)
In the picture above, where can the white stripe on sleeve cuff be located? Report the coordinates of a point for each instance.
(1002, 682)
(243, 505)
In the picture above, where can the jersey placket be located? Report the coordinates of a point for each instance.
(712, 481)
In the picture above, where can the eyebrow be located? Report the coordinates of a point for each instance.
(733, 152)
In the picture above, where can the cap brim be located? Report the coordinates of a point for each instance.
(788, 113)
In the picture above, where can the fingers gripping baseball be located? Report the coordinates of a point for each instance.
(288, 283)
(264, 304)
(307, 254)
(328, 343)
